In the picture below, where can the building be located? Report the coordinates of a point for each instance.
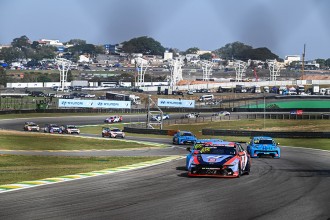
(55, 43)
(291, 58)
(112, 48)
(168, 55)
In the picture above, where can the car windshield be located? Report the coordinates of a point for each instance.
(116, 130)
(71, 126)
(264, 141)
(186, 134)
(218, 150)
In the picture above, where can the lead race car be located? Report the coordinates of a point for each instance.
(262, 145)
(224, 159)
(197, 145)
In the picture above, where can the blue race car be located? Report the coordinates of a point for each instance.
(184, 137)
(197, 145)
(262, 145)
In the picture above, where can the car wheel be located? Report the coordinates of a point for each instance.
(248, 168)
(239, 171)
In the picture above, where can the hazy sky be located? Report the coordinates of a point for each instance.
(283, 26)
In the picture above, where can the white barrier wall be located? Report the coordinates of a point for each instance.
(51, 84)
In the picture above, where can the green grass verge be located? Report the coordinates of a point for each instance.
(258, 125)
(15, 168)
(35, 141)
(292, 104)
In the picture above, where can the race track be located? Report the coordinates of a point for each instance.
(293, 187)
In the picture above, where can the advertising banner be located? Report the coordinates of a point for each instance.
(79, 103)
(178, 103)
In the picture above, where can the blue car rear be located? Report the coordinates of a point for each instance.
(184, 137)
(263, 146)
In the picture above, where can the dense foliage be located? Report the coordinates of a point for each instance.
(144, 45)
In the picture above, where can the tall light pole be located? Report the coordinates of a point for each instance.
(303, 63)
(264, 112)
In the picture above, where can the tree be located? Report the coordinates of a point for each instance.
(21, 42)
(321, 62)
(262, 53)
(232, 50)
(76, 42)
(327, 62)
(144, 45)
(175, 51)
(3, 77)
(83, 49)
(192, 50)
(11, 54)
(206, 56)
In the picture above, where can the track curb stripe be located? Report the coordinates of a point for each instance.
(47, 181)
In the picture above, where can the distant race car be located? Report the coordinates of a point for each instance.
(184, 137)
(262, 145)
(112, 132)
(70, 129)
(158, 117)
(191, 115)
(31, 126)
(223, 159)
(113, 119)
(197, 145)
(52, 128)
(222, 113)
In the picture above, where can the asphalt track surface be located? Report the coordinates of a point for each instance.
(296, 186)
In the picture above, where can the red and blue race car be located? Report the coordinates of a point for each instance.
(226, 159)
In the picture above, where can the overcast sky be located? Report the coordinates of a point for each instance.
(283, 26)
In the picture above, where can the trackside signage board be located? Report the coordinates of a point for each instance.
(176, 103)
(72, 103)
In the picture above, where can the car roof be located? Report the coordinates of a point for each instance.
(262, 137)
(201, 141)
(222, 144)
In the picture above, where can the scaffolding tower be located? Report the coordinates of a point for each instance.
(274, 69)
(176, 72)
(63, 66)
(240, 68)
(207, 69)
(152, 120)
(141, 65)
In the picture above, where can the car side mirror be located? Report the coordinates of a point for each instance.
(188, 149)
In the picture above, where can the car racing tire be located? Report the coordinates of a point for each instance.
(248, 168)
(239, 171)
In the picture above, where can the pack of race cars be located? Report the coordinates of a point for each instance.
(206, 157)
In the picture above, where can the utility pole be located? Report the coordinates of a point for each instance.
(303, 63)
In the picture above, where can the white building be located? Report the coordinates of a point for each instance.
(291, 58)
(55, 43)
(168, 55)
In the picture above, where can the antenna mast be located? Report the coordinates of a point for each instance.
(303, 63)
